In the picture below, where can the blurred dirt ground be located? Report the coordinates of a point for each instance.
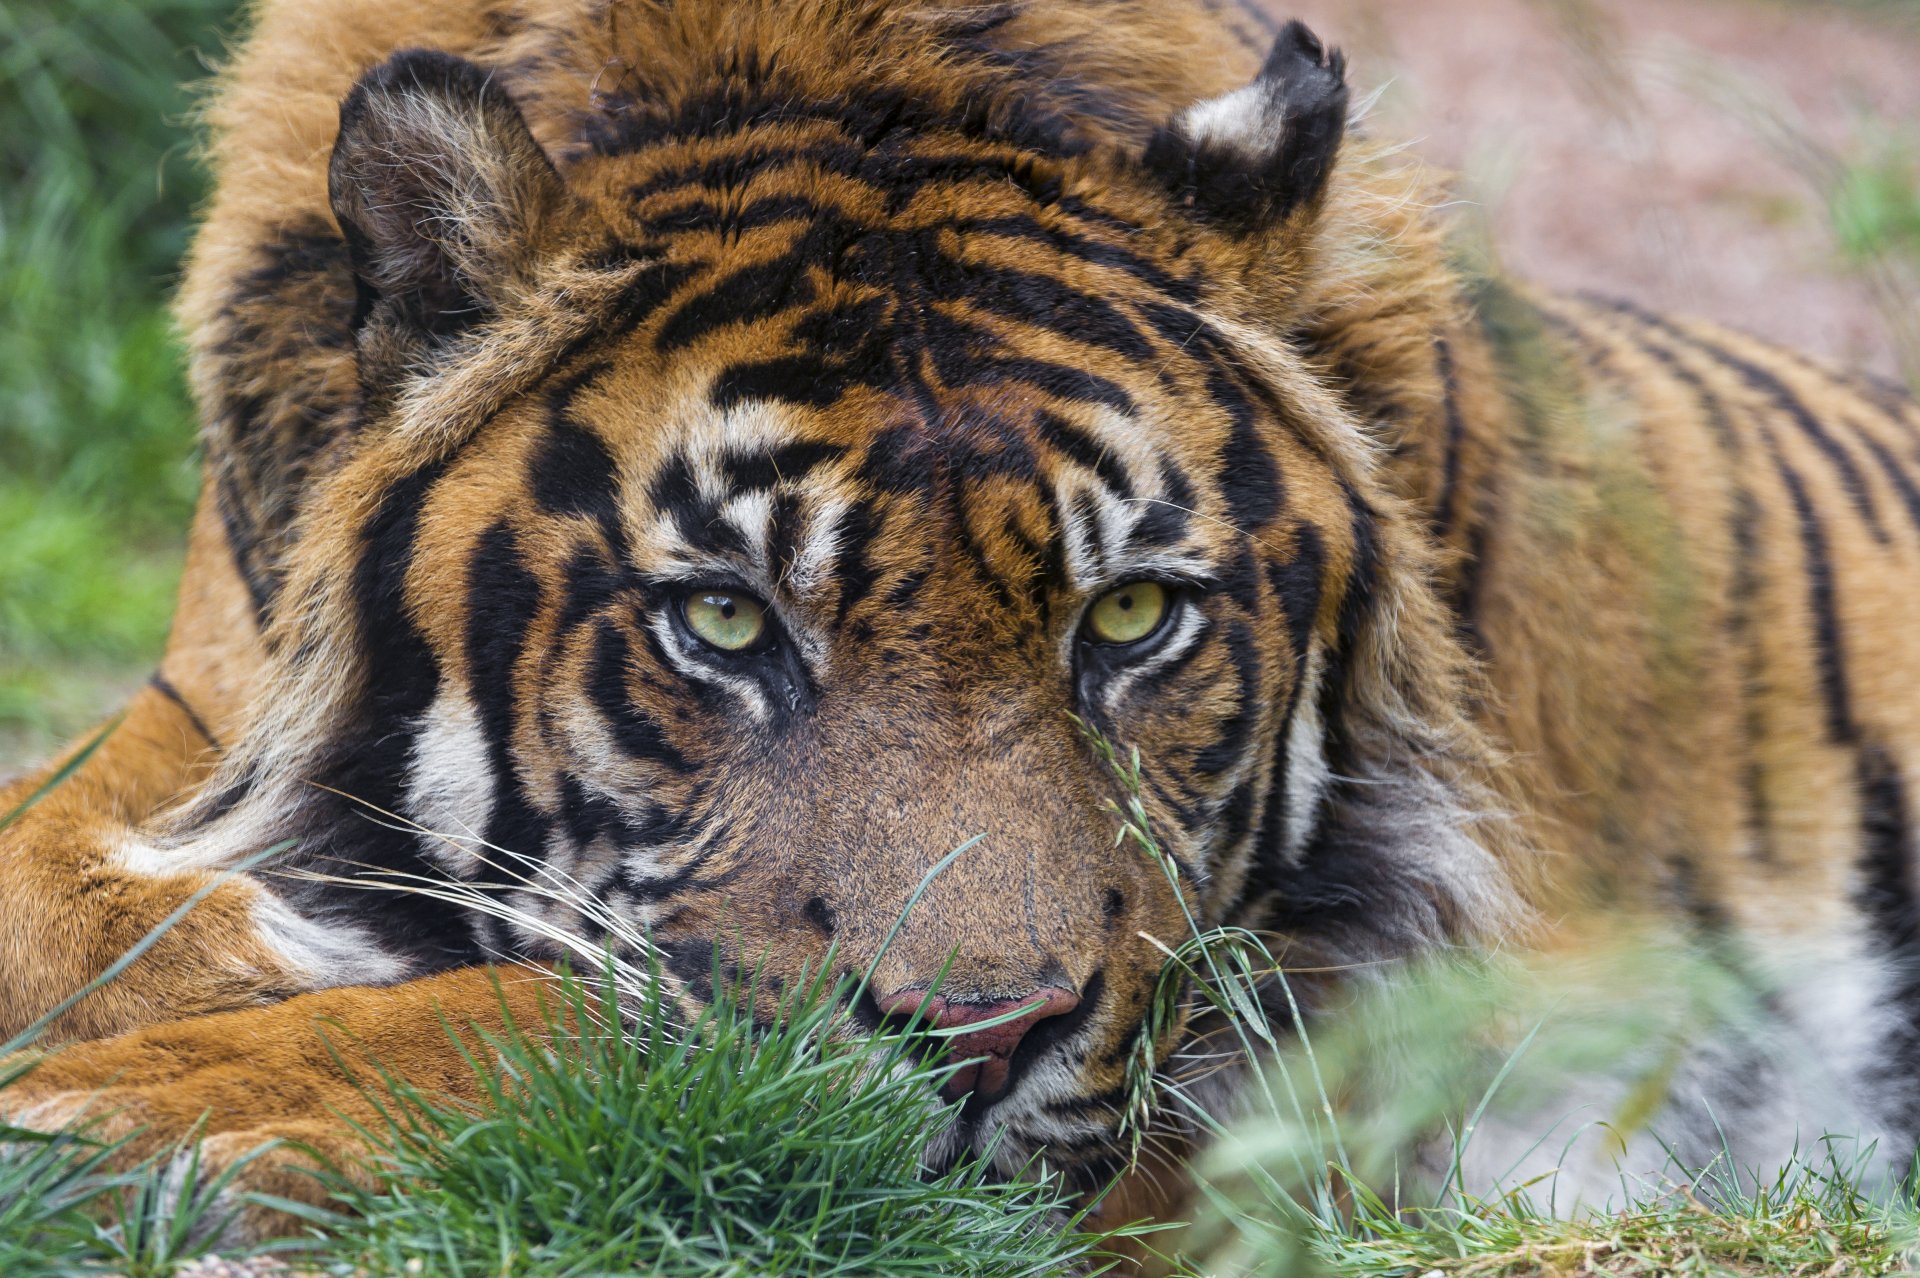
(1682, 153)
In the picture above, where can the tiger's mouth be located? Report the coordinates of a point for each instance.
(1071, 1102)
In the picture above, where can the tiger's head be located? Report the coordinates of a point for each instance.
(770, 473)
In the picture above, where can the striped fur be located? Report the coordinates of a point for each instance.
(926, 324)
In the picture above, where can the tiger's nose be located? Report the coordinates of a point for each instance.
(987, 1053)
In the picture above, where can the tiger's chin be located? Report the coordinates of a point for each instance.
(1048, 1123)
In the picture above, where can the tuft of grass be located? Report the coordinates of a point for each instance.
(1876, 202)
(729, 1145)
(69, 1206)
(1812, 1220)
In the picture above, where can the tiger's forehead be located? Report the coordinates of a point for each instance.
(1029, 495)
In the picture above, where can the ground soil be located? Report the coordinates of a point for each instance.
(1675, 152)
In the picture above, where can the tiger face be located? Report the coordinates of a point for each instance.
(775, 497)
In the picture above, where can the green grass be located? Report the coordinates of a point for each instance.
(1316, 1179)
(758, 1137)
(688, 1150)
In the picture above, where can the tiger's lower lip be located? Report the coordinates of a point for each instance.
(985, 1080)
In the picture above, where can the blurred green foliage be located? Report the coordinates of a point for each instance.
(1876, 206)
(97, 191)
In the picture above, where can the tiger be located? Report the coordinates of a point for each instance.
(730, 454)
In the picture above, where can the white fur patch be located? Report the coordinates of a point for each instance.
(1248, 120)
(322, 954)
(1308, 776)
(449, 783)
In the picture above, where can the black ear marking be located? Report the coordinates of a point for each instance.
(439, 188)
(1252, 157)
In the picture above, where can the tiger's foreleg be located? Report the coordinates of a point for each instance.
(80, 891)
(281, 1090)
(79, 884)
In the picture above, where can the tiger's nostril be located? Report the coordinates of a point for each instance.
(994, 1045)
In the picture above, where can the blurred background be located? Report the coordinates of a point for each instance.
(1755, 161)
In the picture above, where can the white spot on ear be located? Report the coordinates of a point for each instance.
(1307, 773)
(450, 784)
(1250, 120)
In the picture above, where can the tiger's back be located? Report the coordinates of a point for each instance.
(1783, 741)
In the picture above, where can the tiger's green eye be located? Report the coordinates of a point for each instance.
(729, 621)
(1128, 614)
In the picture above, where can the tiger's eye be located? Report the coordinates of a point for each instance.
(1128, 614)
(729, 621)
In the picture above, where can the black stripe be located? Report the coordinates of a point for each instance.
(1227, 750)
(1297, 584)
(675, 492)
(1049, 303)
(735, 169)
(786, 531)
(1363, 577)
(1249, 479)
(573, 472)
(974, 553)
(1829, 649)
(634, 731)
(856, 572)
(502, 597)
(756, 292)
(1082, 449)
(1885, 396)
(758, 97)
(164, 686)
(705, 214)
(1764, 382)
(244, 547)
(369, 761)
(1887, 895)
(588, 585)
(1829, 656)
(1896, 475)
(1089, 250)
(1168, 516)
(1456, 433)
(1744, 589)
(790, 462)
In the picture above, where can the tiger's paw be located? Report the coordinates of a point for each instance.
(227, 1174)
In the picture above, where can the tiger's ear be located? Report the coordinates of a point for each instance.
(1252, 158)
(440, 190)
